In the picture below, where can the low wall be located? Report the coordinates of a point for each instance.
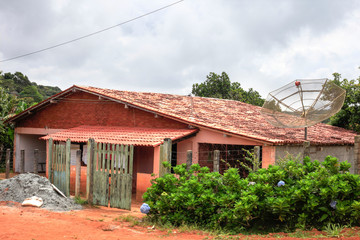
(343, 153)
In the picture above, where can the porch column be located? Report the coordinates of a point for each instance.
(268, 156)
(156, 162)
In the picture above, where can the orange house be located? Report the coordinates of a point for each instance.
(146, 119)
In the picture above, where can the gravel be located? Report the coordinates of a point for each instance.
(27, 185)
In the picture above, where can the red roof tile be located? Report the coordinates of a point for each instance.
(120, 135)
(228, 116)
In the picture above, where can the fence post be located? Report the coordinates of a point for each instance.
(36, 160)
(78, 173)
(90, 172)
(216, 161)
(357, 154)
(306, 149)
(188, 159)
(50, 152)
(67, 167)
(22, 161)
(165, 156)
(7, 173)
(257, 157)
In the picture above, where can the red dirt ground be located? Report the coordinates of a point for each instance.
(17, 222)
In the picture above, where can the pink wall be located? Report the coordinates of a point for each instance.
(142, 184)
(156, 163)
(268, 156)
(143, 163)
(208, 136)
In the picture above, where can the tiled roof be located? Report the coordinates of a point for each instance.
(228, 116)
(120, 135)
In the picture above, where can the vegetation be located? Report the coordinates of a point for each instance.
(293, 195)
(9, 105)
(19, 85)
(80, 200)
(220, 86)
(16, 94)
(349, 115)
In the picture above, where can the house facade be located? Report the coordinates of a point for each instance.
(146, 119)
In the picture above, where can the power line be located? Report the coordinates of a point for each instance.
(91, 34)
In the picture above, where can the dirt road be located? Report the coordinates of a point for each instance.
(22, 223)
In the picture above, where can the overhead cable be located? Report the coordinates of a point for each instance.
(90, 34)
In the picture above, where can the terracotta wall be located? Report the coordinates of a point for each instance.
(86, 109)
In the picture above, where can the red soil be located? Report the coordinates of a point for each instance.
(17, 222)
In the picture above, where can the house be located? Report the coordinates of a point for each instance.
(146, 119)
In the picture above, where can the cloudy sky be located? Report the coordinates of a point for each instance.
(263, 44)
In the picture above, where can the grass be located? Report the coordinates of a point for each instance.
(134, 221)
(302, 234)
(333, 230)
(80, 201)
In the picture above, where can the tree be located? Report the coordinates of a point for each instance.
(19, 85)
(349, 115)
(7, 108)
(220, 86)
(31, 94)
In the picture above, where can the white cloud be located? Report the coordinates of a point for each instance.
(261, 44)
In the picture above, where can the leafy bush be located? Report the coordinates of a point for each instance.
(314, 195)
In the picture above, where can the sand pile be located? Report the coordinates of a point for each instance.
(27, 185)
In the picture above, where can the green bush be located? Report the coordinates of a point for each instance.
(314, 195)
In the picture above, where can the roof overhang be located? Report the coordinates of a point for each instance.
(121, 135)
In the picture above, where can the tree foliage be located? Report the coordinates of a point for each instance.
(16, 94)
(220, 86)
(349, 115)
(20, 86)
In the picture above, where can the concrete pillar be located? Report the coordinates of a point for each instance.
(357, 154)
(268, 156)
(306, 149)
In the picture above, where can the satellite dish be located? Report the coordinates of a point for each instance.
(303, 103)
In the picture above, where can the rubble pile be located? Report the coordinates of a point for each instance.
(27, 185)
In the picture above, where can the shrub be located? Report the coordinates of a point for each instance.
(312, 194)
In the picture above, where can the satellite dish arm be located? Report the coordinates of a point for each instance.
(279, 101)
(301, 99)
(317, 98)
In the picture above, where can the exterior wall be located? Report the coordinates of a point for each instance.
(268, 156)
(143, 163)
(28, 143)
(83, 176)
(81, 108)
(319, 153)
(28, 139)
(86, 109)
(182, 148)
(208, 136)
(156, 163)
(142, 184)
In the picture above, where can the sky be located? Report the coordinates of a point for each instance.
(262, 44)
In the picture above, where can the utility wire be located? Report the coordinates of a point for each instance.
(91, 34)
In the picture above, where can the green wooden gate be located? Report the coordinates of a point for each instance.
(112, 175)
(59, 165)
